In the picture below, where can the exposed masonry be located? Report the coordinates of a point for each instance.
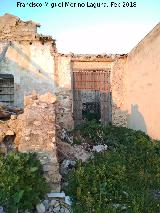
(14, 29)
(35, 132)
(36, 65)
(32, 59)
(67, 63)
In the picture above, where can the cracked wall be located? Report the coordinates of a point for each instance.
(29, 58)
(115, 64)
(64, 91)
(35, 132)
(36, 66)
(118, 87)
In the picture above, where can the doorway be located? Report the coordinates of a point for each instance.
(91, 96)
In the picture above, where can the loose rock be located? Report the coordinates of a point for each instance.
(54, 203)
(1, 210)
(100, 148)
(57, 209)
(66, 166)
(10, 133)
(40, 208)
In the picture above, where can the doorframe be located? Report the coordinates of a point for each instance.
(110, 92)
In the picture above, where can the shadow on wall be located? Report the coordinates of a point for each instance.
(26, 81)
(28, 78)
(136, 120)
(28, 58)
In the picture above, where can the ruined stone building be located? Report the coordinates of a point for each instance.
(118, 89)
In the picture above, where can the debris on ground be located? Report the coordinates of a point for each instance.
(66, 166)
(76, 152)
(1, 210)
(7, 111)
(55, 203)
(100, 148)
(7, 136)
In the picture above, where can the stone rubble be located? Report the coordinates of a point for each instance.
(64, 135)
(66, 166)
(7, 136)
(35, 132)
(76, 152)
(64, 118)
(6, 112)
(40, 208)
(1, 210)
(61, 204)
(100, 148)
(55, 203)
(157, 194)
(13, 28)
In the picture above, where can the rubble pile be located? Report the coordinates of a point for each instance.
(6, 112)
(35, 132)
(12, 28)
(55, 203)
(7, 136)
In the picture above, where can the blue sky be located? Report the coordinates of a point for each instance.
(91, 30)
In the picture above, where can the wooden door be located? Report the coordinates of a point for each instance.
(96, 81)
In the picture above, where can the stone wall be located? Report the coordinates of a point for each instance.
(12, 28)
(35, 132)
(64, 92)
(118, 88)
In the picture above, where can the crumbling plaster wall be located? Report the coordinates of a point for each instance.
(65, 65)
(12, 28)
(115, 64)
(29, 57)
(32, 67)
(118, 88)
(35, 132)
(142, 80)
(63, 75)
(36, 65)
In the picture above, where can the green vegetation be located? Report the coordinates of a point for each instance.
(122, 179)
(21, 181)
